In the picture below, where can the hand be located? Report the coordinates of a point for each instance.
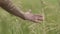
(33, 17)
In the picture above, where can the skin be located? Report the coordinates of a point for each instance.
(11, 8)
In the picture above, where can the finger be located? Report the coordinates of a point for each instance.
(29, 11)
(38, 14)
(35, 21)
(38, 18)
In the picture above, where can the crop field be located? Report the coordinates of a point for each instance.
(10, 24)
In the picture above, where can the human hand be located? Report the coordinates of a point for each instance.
(33, 17)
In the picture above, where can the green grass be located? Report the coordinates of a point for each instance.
(10, 24)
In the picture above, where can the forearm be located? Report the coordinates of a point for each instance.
(11, 8)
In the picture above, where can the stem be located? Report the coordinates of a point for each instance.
(42, 6)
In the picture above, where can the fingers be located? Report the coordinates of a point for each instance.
(39, 17)
(35, 21)
(29, 11)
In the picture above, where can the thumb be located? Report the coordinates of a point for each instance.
(29, 11)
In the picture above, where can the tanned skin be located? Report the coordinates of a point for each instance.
(11, 8)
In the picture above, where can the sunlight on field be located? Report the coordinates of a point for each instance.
(10, 24)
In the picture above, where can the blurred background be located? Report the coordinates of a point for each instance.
(10, 24)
